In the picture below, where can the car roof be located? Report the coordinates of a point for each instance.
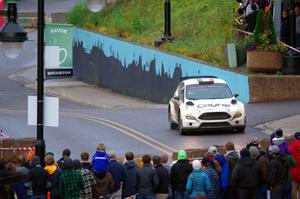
(205, 79)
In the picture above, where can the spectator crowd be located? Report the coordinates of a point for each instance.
(251, 173)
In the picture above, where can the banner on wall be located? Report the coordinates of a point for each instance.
(58, 51)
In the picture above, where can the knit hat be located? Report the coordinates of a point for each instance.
(279, 132)
(196, 164)
(182, 155)
(253, 151)
(244, 153)
(274, 149)
(212, 149)
(297, 135)
(68, 163)
(35, 161)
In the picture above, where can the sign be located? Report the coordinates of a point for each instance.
(1, 9)
(58, 50)
(51, 111)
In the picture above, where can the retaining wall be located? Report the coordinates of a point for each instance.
(140, 71)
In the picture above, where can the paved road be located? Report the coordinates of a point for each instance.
(142, 130)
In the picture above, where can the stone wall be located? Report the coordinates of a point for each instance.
(273, 88)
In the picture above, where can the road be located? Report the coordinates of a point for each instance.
(141, 130)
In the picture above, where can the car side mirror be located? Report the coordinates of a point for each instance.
(236, 95)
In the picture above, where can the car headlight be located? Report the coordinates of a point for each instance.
(190, 116)
(237, 115)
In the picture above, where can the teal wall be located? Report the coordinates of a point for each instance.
(127, 53)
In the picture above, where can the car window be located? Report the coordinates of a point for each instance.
(181, 96)
(208, 91)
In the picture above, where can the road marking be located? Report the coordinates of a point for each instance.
(117, 126)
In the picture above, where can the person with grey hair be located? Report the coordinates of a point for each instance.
(279, 172)
(263, 167)
(88, 180)
(117, 171)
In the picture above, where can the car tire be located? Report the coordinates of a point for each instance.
(180, 129)
(173, 126)
(241, 129)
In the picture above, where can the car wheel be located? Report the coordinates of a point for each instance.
(171, 123)
(180, 129)
(241, 129)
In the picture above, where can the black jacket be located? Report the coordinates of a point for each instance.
(118, 173)
(38, 177)
(180, 172)
(128, 189)
(232, 158)
(146, 181)
(163, 175)
(279, 170)
(246, 173)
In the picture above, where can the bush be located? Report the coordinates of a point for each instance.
(77, 16)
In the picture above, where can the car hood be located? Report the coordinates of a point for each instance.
(213, 103)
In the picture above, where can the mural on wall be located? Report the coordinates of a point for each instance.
(139, 71)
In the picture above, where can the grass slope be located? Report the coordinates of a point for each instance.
(200, 27)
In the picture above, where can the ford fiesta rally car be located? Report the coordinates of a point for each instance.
(205, 103)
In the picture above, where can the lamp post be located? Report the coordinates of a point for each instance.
(12, 36)
(40, 143)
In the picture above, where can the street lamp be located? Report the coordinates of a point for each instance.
(12, 35)
(95, 5)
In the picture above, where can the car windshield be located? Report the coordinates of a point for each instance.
(208, 91)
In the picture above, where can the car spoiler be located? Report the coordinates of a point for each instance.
(193, 77)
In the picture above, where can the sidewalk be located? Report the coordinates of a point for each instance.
(77, 91)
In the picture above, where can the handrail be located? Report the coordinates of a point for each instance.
(290, 47)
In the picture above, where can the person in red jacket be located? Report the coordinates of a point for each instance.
(294, 149)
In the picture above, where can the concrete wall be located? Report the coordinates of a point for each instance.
(140, 71)
(274, 88)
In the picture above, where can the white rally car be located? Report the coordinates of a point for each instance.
(205, 103)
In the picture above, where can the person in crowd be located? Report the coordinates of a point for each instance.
(54, 174)
(297, 13)
(263, 167)
(65, 154)
(198, 183)
(252, 6)
(278, 131)
(164, 161)
(23, 171)
(104, 186)
(213, 177)
(179, 175)
(146, 180)
(38, 178)
(253, 142)
(100, 161)
(85, 161)
(224, 179)
(211, 152)
(130, 168)
(250, 19)
(279, 172)
(294, 149)
(232, 158)
(245, 175)
(4, 188)
(29, 157)
(87, 178)
(70, 182)
(162, 190)
(284, 28)
(117, 171)
(280, 141)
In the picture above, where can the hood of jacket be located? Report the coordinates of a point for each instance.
(129, 164)
(233, 155)
(247, 162)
